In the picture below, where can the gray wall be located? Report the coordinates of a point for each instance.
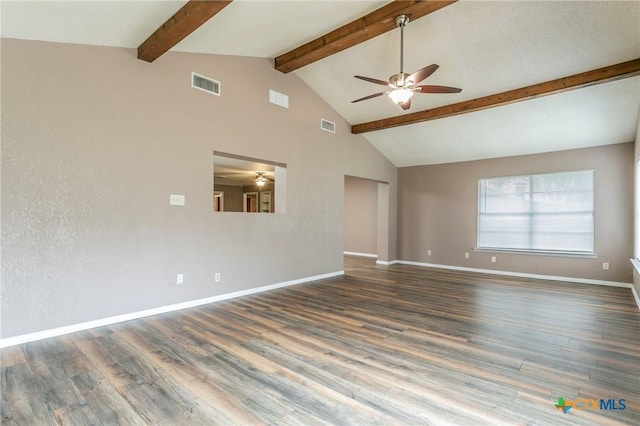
(437, 208)
(93, 143)
(360, 215)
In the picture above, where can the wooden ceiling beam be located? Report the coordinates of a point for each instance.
(369, 26)
(185, 21)
(577, 81)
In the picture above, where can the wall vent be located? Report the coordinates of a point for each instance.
(205, 84)
(327, 125)
(278, 98)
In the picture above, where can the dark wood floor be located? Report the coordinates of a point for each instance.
(381, 345)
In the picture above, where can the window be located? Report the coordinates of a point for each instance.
(550, 213)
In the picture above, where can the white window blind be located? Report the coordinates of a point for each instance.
(540, 213)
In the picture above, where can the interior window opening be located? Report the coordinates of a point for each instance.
(248, 185)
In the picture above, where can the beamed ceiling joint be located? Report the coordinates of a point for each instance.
(185, 21)
(362, 29)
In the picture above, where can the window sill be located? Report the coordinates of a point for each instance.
(636, 264)
(540, 253)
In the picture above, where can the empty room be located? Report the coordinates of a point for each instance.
(306, 212)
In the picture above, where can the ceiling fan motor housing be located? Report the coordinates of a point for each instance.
(400, 80)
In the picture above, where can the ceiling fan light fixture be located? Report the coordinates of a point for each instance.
(400, 96)
(261, 180)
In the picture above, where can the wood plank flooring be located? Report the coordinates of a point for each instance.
(390, 345)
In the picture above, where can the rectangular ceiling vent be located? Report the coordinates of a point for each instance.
(327, 125)
(205, 84)
(278, 98)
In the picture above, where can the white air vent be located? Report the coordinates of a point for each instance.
(327, 125)
(278, 98)
(205, 84)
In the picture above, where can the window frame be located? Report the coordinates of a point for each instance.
(635, 260)
(544, 252)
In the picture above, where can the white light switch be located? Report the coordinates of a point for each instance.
(176, 200)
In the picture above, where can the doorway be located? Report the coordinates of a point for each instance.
(250, 202)
(218, 201)
(366, 218)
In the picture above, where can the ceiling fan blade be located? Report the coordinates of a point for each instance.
(423, 73)
(436, 89)
(406, 105)
(372, 80)
(375, 95)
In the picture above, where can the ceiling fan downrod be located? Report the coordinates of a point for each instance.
(401, 22)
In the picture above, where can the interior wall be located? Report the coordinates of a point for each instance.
(232, 197)
(360, 216)
(437, 208)
(267, 187)
(384, 213)
(636, 157)
(94, 141)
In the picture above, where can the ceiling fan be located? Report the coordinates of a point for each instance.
(403, 85)
(243, 178)
(261, 178)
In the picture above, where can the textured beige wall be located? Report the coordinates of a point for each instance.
(437, 208)
(93, 143)
(360, 215)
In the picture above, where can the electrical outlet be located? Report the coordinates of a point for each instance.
(179, 278)
(176, 200)
(605, 266)
(217, 277)
(466, 254)
(428, 252)
(493, 259)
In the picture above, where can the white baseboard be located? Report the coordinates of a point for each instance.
(520, 274)
(353, 253)
(31, 337)
(378, 262)
(635, 296)
(636, 266)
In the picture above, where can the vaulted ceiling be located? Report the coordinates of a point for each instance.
(489, 49)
